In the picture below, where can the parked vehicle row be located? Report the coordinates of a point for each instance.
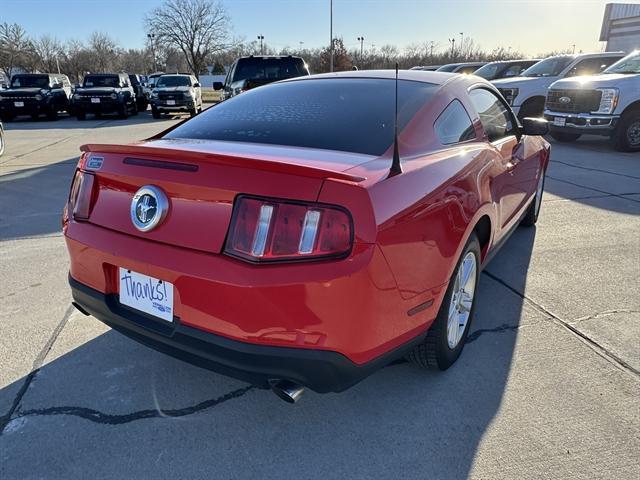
(35, 95)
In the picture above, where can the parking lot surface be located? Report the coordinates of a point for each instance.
(548, 385)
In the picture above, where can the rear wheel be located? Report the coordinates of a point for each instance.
(446, 338)
(565, 137)
(626, 137)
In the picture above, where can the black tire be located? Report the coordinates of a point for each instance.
(6, 117)
(135, 109)
(1, 142)
(155, 113)
(34, 116)
(52, 114)
(565, 137)
(80, 115)
(123, 112)
(193, 112)
(531, 108)
(531, 217)
(434, 352)
(626, 137)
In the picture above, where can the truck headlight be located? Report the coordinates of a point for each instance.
(77, 96)
(114, 96)
(154, 94)
(509, 94)
(38, 97)
(608, 100)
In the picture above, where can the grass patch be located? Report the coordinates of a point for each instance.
(210, 96)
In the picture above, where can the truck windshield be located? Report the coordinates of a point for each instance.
(30, 81)
(101, 81)
(173, 82)
(550, 67)
(269, 68)
(489, 71)
(628, 65)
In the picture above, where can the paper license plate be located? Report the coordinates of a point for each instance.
(95, 100)
(559, 121)
(19, 104)
(146, 294)
(171, 102)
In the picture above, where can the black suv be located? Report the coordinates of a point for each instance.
(176, 93)
(35, 95)
(105, 93)
(250, 72)
(141, 98)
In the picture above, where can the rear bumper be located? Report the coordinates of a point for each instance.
(320, 370)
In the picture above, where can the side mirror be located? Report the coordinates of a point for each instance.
(218, 86)
(196, 85)
(534, 126)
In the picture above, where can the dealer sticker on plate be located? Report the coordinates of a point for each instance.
(146, 294)
(559, 121)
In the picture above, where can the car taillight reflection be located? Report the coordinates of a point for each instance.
(264, 230)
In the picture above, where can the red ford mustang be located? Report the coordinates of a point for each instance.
(303, 234)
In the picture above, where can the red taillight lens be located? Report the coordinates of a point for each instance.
(81, 196)
(264, 230)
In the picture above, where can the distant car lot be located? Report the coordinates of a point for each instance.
(553, 359)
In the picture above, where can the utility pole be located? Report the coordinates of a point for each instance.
(361, 40)
(461, 43)
(574, 48)
(453, 48)
(431, 51)
(331, 35)
(261, 38)
(151, 36)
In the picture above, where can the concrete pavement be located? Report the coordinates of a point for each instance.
(547, 387)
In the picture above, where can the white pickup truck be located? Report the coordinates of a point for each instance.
(606, 104)
(527, 93)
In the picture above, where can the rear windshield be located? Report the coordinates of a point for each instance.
(30, 81)
(448, 68)
(346, 114)
(101, 81)
(269, 69)
(173, 82)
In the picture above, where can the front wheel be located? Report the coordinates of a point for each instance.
(1, 142)
(446, 338)
(123, 112)
(155, 113)
(531, 217)
(565, 137)
(626, 137)
(80, 115)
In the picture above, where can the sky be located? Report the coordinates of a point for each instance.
(528, 26)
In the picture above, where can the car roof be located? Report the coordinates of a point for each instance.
(437, 78)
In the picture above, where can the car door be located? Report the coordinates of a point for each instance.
(228, 91)
(516, 174)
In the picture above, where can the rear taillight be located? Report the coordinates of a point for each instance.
(82, 195)
(267, 230)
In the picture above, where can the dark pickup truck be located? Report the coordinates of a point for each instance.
(35, 95)
(250, 72)
(105, 93)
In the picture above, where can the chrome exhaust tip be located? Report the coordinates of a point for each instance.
(288, 391)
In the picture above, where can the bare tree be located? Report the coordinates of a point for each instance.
(47, 52)
(15, 47)
(105, 52)
(199, 28)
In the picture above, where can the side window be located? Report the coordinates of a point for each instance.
(514, 70)
(496, 119)
(590, 66)
(454, 125)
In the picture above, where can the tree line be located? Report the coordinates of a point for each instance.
(194, 35)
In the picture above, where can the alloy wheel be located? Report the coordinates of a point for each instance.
(462, 299)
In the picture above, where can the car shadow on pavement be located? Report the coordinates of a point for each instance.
(108, 407)
(32, 199)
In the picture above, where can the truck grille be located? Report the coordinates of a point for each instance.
(170, 96)
(579, 101)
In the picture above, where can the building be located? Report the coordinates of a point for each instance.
(621, 27)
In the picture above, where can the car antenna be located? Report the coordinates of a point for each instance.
(396, 168)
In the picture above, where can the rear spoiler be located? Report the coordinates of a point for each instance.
(221, 159)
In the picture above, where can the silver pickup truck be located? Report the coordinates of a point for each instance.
(606, 104)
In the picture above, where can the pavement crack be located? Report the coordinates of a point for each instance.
(97, 416)
(37, 364)
(595, 346)
(591, 169)
(594, 189)
(606, 313)
(502, 328)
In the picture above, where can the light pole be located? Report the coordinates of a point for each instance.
(461, 43)
(261, 38)
(453, 48)
(574, 48)
(151, 36)
(361, 40)
(331, 35)
(431, 50)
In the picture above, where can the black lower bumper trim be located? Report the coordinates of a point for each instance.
(320, 370)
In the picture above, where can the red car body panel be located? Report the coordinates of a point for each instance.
(409, 230)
